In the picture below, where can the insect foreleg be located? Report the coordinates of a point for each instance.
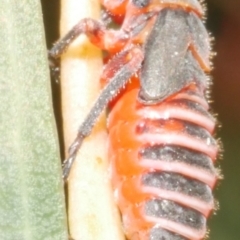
(87, 26)
(109, 40)
(129, 61)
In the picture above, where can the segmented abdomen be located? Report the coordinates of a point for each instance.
(162, 160)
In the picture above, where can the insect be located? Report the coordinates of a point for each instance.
(162, 149)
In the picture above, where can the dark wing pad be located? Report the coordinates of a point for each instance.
(169, 64)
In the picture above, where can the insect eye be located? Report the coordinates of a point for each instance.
(140, 3)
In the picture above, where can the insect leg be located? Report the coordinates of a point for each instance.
(97, 34)
(119, 69)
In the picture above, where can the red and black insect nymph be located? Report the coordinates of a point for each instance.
(161, 147)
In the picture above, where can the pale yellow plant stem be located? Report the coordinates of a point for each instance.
(92, 211)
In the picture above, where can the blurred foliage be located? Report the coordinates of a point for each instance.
(224, 23)
(32, 204)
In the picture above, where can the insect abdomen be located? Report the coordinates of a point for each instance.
(162, 165)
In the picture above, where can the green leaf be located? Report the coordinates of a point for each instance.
(31, 190)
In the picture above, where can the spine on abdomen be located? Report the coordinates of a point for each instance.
(162, 160)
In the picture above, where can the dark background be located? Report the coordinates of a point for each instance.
(224, 23)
